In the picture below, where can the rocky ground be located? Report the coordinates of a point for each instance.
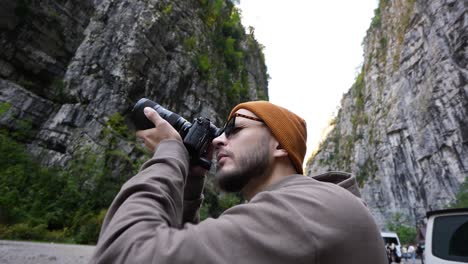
(14, 252)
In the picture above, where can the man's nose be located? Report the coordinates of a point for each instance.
(219, 140)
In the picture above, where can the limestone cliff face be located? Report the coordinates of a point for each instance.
(73, 69)
(403, 126)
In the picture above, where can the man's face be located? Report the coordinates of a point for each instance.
(243, 151)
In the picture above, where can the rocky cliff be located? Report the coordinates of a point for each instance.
(70, 71)
(402, 127)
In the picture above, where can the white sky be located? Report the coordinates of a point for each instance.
(313, 53)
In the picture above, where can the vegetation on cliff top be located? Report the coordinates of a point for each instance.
(233, 47)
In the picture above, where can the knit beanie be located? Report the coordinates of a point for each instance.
(288, 128)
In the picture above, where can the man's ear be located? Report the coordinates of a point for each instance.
(279, 151)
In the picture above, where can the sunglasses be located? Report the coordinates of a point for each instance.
(230, 126)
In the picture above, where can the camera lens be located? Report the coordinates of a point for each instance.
(141, 122)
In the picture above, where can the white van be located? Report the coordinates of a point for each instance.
(392, 237)
(447, 236)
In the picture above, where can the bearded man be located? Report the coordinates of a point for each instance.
(288, 217)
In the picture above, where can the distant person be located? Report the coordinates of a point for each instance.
(420, 251)
(389, 253)
(404, 253)
(394, 253)
(412, 253)
(289, 218)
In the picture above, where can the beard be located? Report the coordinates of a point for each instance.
(254, 163)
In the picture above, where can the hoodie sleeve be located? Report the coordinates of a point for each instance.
(152, 200)
(193, 199)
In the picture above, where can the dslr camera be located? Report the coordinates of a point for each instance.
(197, 136)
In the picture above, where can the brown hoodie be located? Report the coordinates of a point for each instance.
(296, 220)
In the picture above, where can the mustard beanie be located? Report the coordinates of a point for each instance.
(288, 128)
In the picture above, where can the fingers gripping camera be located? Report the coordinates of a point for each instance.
(197, 136)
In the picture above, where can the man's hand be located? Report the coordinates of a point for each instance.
(154, 136)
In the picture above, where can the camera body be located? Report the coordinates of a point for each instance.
(197, 136)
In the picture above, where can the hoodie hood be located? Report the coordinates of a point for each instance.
(340, 178)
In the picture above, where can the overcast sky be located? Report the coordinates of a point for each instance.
(313, 53)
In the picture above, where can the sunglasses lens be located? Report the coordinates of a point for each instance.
(230, 126)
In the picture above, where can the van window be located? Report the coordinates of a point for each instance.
(450, 237)
(390, 240)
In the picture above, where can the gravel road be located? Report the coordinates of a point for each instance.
(15, 252)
